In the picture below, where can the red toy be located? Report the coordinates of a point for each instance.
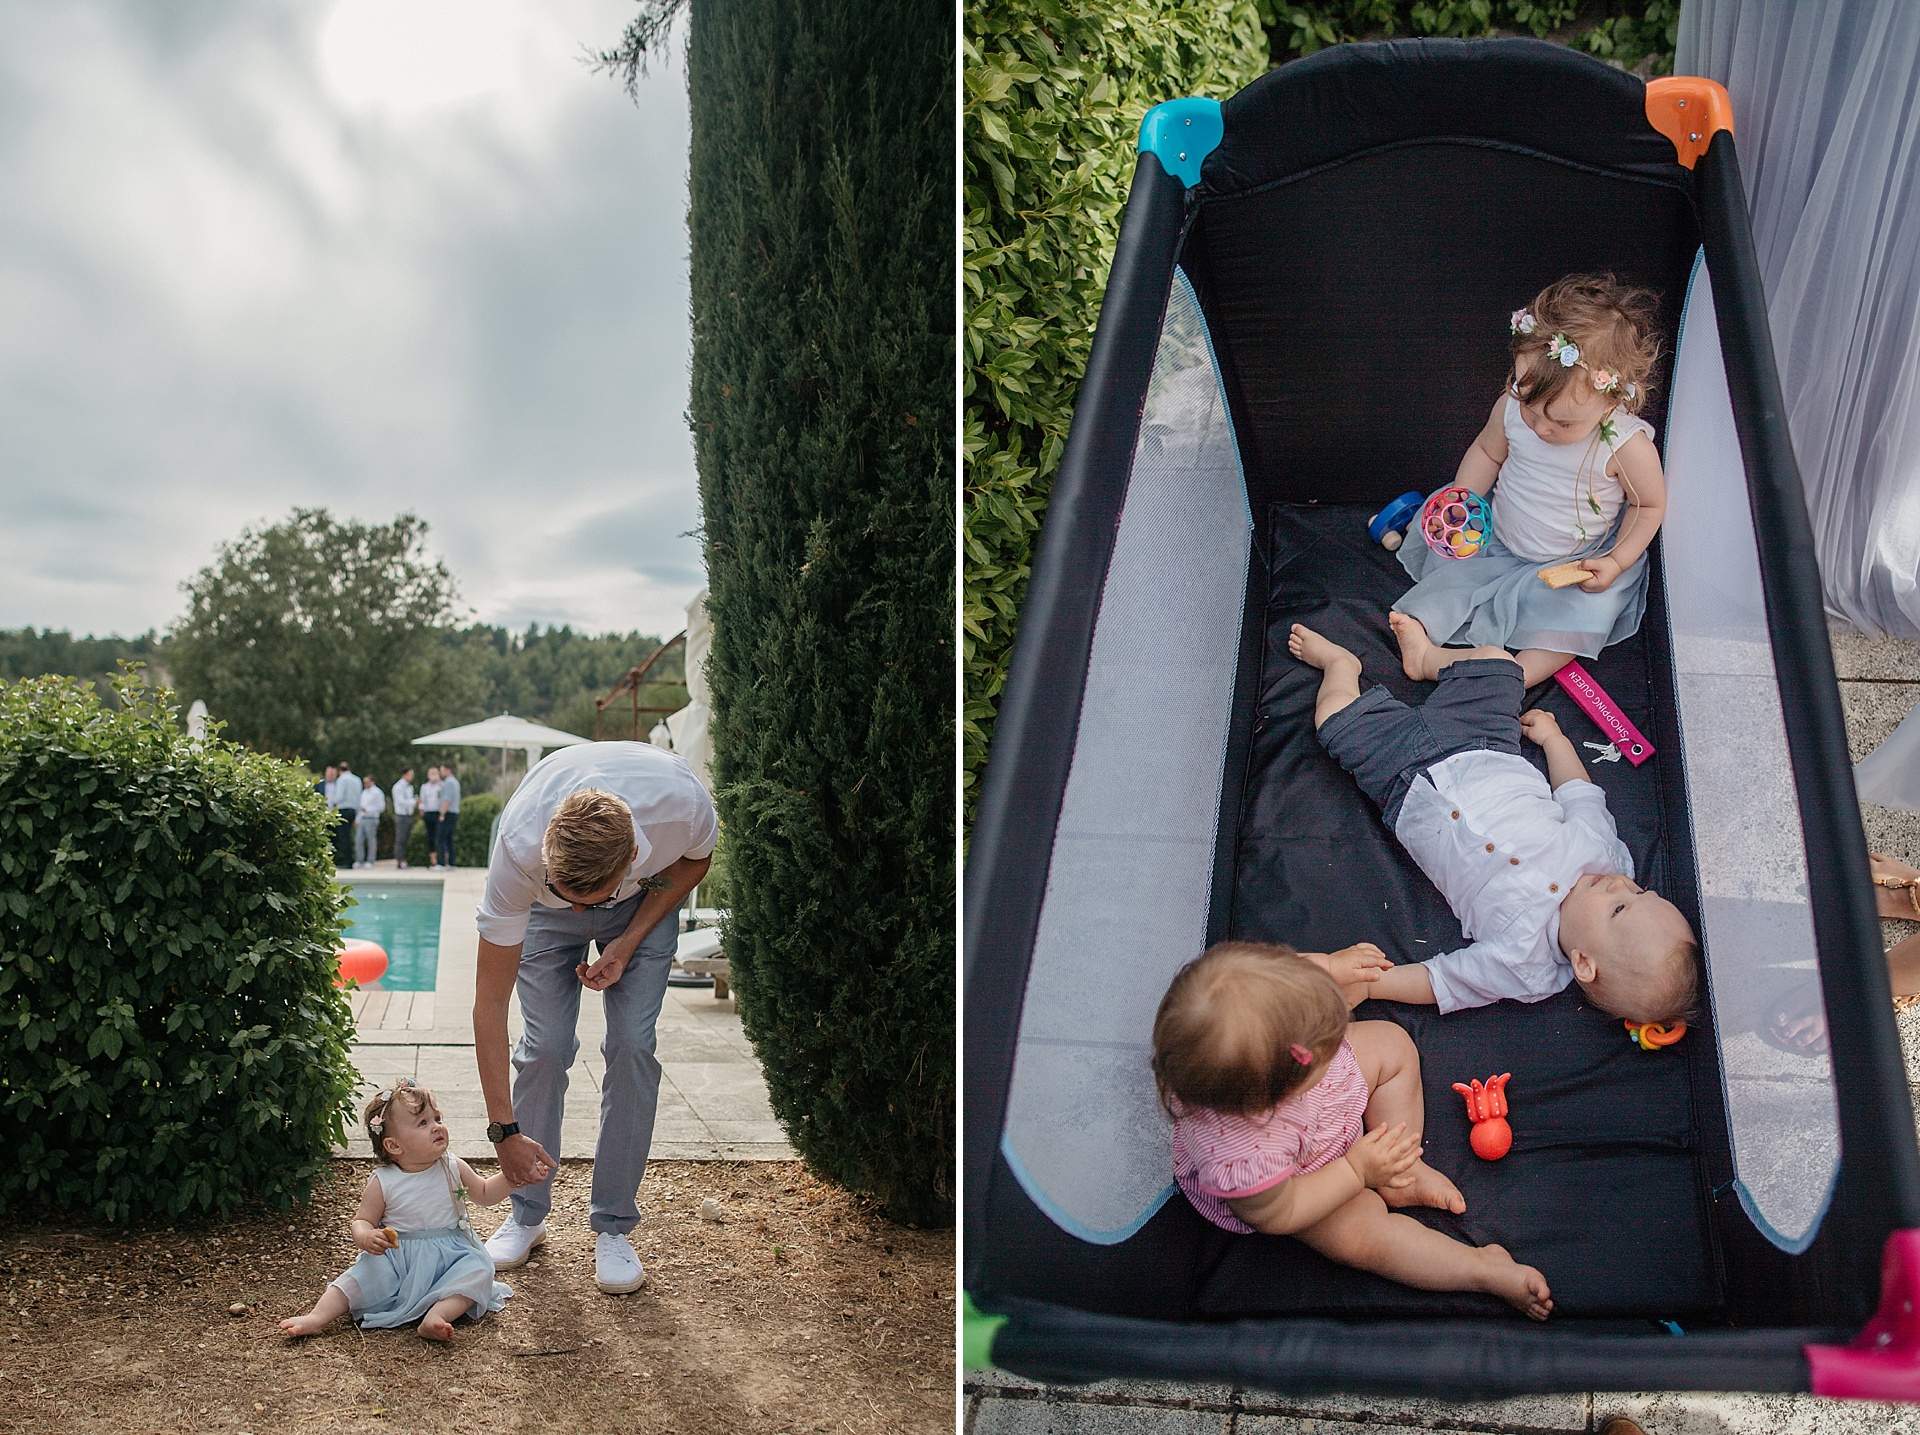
(1492, 1138)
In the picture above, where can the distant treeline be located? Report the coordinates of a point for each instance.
(546, 675)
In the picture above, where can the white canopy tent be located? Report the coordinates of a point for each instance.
(503, 732)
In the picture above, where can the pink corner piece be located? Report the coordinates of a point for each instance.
(1883, 1363)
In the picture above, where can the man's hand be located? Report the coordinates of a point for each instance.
(1604, 569)
(611, 965)
(1357, 968)
(1539, 726)
(523, 1161)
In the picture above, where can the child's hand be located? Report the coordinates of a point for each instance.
(374, 1240)
(1604, 571)
(1356, 968)
(1384, 1155)
(1539, 726)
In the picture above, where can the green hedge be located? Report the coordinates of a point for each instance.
(821, 190)
(475, 826)
(1055, 90)
(171, 1041)
(1054, 94)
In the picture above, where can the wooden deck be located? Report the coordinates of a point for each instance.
(378, 1010)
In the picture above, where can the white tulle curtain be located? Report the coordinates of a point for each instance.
(1826, 104)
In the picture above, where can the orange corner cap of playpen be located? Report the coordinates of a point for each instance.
(1687, 109)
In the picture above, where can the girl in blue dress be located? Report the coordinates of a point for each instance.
(419, 1258)
(1575, 479)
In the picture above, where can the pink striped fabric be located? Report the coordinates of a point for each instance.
(1219, 1158)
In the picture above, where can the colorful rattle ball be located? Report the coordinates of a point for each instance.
(1456, 522)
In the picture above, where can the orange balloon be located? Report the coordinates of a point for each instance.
(360, 961)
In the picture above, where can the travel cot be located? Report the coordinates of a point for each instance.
(1307, 316)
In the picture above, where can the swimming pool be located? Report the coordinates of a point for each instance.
(404, 918)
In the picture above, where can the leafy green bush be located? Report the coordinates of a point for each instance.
(171, 1041)
(822, 401)
(475, 826)
(1055, 90)
(1628, 33)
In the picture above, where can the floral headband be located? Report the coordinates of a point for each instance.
(377, 1123)
(1563, 349)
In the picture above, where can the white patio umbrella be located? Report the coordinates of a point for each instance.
(505, 731)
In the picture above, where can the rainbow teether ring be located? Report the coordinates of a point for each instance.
(1652, 1035)
(1456, 522)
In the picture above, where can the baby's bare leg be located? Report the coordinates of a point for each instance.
(1339, 670)
(437, 1324)
(329, 1308)
(1539, 664)
(1391, 1064)
(1366, 1235)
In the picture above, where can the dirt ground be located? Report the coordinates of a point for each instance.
(801, 1310)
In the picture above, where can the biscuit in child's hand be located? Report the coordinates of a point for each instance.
(392, 1235)
(1562, 574)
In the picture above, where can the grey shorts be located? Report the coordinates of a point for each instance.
(1475, 707)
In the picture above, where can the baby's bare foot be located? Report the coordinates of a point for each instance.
(1416, 647)
(434, 1328)
(1427, 1188)
(1315, 651)
(302, 1325)
(1521, 1287)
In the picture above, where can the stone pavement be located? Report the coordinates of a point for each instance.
(713, 1099)
(1879, 683)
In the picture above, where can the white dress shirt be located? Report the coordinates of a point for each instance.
(430, 796)
(373, 802)
(402, 798)
(1505, 849)
(672, 818)
(346, 793)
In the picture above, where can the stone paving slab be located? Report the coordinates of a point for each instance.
(1879, 685)
(713, 1097)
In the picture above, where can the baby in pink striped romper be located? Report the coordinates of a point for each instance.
(1291, 1119)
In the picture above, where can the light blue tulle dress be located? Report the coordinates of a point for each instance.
(438, 1256)
(1553, 502)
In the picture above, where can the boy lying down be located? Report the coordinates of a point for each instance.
(1532, 867)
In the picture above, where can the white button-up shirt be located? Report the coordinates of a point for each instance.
(672, 818)
(402, 798)
(1504, 849)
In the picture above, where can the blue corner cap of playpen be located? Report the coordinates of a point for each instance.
(1181, 133)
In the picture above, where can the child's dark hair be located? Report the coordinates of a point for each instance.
(1613, 325)
(1227, 1029)
(402, 1097)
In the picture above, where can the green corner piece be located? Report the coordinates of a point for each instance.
(977, 1332)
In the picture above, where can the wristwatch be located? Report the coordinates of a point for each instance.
(496, 1133)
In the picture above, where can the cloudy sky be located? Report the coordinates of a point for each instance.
(367, 255)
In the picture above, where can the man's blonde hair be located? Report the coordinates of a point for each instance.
(589, 842)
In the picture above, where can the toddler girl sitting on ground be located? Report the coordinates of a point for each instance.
(1269, 1085)
(419, 1260)
(1563, 452)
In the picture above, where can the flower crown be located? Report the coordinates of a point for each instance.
(1563, 349)
(377, 1123)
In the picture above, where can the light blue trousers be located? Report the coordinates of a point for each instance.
(549, 992)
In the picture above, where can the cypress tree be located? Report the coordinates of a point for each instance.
(821, 219)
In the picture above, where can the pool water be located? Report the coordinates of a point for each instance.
(404, 918)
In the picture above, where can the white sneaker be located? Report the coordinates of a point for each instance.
(513, 1243)
(616, 1269)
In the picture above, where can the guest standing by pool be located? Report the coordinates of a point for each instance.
(601, 844)
(366, 832)
(430, 814)
(403, 802)
(346, 811)
(449, 815)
